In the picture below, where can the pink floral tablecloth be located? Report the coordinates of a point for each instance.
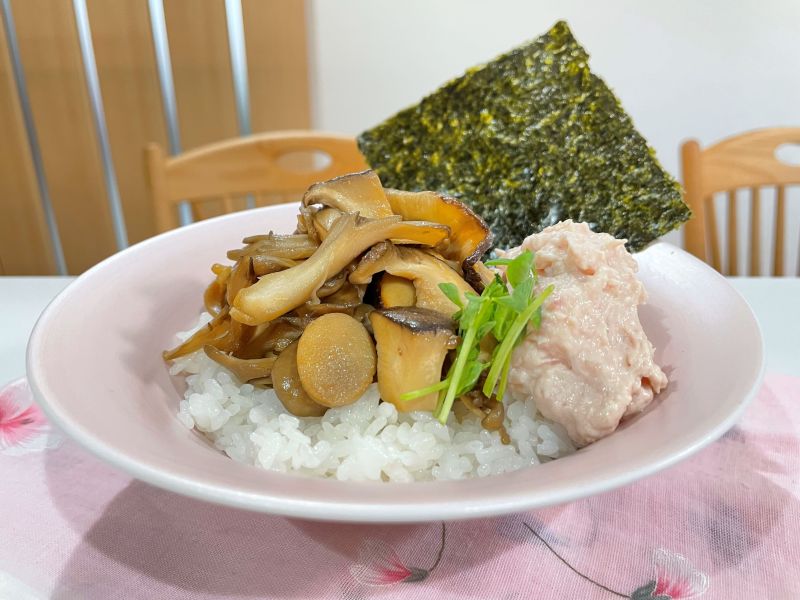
(723, 524)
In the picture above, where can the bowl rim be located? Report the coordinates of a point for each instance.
(363, 511)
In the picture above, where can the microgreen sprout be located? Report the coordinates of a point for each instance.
(504, 311)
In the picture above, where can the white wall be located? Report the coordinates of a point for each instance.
(681, 68)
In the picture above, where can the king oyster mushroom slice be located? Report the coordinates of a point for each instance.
(287, 386)
(277, 293)
(335, 360)
(396, 291)
(412, 344)
(425, 271)
(360, 193)
(325, 219)
(453, 264)
(471, 236)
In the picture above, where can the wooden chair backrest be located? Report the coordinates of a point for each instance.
(270, 167)
(745, 161)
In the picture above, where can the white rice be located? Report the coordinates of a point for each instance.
(367, 440)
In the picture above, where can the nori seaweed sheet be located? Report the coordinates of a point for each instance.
(527, 140)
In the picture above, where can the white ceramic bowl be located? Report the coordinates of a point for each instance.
(94, 364)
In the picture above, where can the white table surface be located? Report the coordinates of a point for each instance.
(775, 301)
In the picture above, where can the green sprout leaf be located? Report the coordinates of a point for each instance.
(498, 262)
(503, 312)
(451, 291)
(520, 269)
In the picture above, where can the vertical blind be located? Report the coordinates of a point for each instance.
(85, 84)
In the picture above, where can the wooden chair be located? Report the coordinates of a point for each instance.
(743, 161)
(268, 168)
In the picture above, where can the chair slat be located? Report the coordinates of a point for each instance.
(746, 161)
(780, 215)
(733, 242)
(240, 167)
(194, 209)
(713, 237)
(755, 232)
(695, 231)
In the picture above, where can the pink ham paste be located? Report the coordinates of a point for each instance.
(590, 364)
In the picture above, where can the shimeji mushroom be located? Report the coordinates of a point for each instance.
(345, 300)
(333, 285)
(241, 277)
(412, 344)
(264, 264)
(245, 369)
(295, 246)
(216, 332)
(272, 337)
(214, 296)
(425, 271)
(324, 220)
(277, 293)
